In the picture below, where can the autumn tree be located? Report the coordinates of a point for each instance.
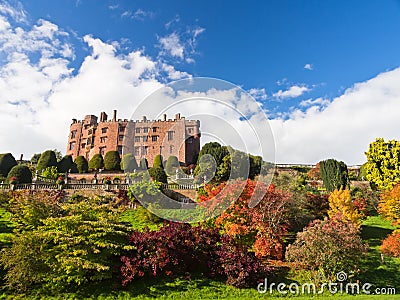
(341, 206)
(389, 205)
(334, 174)
(382, 169)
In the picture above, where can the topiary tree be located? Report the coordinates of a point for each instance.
(334, 174)
(21, 172)
(112, 161)
(144, 165)
(172, 165)
(96, 162)
(158, 174)
(7, 162)
(81, 164)
(65, 164)
(158, 161)
(128, 163)
(47, 159)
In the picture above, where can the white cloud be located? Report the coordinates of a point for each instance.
(315, 102)
(259, 94)
(292, 92)
(309, 67)
(172, 45)
(16, 12)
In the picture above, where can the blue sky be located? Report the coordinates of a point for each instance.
(312, 65)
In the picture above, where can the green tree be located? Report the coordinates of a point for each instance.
(382, 169)
(128, 163)
(22, 173)
(35, 158)
(144, 165)
(172, 165)
(50, 173)
(255, 165)
(58, 154)
(158, 161)
(47, 159)
(158, 174)
(81, 164)
(66, 164)
(334, 174)
(112, 161)
(7, 162)
(96, 162)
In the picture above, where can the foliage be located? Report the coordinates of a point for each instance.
(144, 165)
(158, 161)
(112, 161)
(81, 164)
(261, 227)
(22, 173)
(145, 191)
(389, 205)
(315, 173)
(79, 244)
(341, 206)
(58, 154)
(382, 169)
(128, 163)
(233, 166)
(362, 175)
(66, 164)
(179, 248)
(328, 247)
(172, 165)
(35, 158)
(391, 245)
(96, 162)
(158, 174)
(47, 159)
(50, 173)
(7, 162)
(256, 163)
(334, 174)
(217, 153)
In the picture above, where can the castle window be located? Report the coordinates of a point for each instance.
(137, 139)
(72, 145)
(170, 135)
(154, 129)
(120, 137)
(154, 138)
(144, 150)
(119, 149)
(89, 141)
(103, 139)
(121, 128)
(190, 130)
(90, 131)
(102, 150)
(104, 130)
(171, 149)
(145, 138)
(137, 149)
(137, 129)
(145, 129)
(83, 145)
(73, 134)
(190, 140)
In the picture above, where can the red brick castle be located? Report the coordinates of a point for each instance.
(144, 138)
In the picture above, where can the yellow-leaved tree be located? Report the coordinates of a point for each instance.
(341, 206)
(389, 205)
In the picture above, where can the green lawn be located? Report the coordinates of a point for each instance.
(379, 274)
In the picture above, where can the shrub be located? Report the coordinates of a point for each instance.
(389, 205)
(128, 163)
(334, 174)
(66, 164)
(144, 165)
(7, 162)
(158, 174)
(50, 173)
(22, 173)
(172, 165)
(47, 159)
(179, 248)
(112, 161)
(342, 207)
(391, 245)
(328, 246)
(158, 161)
(81, 164)
(96, 162)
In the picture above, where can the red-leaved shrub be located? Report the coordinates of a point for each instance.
(391, 245)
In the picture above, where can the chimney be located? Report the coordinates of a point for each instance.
(103, 117)
(73, 121)
(115, 115)
(144, 119)
(177, 116)
(21, 157)
(164, 117)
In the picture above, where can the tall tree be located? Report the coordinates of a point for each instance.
(334, 174)
(7, 162)
(382, 169)
(47, 159)
(128, 163)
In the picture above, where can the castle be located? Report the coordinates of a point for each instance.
(144, 138)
